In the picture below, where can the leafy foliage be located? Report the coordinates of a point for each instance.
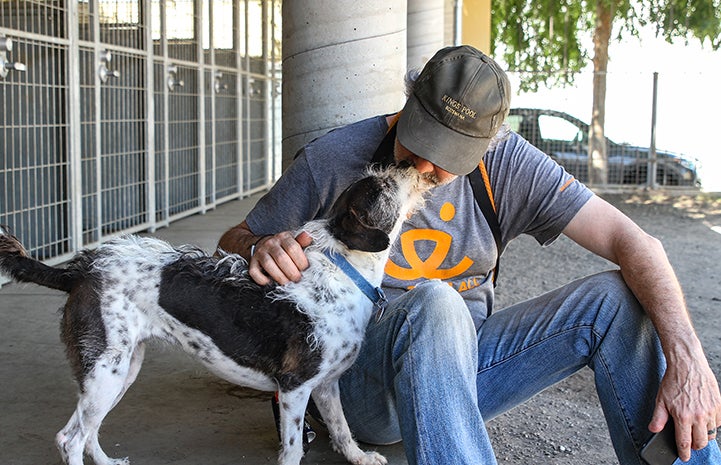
(541, 39)
(547, 41)
(688, 18)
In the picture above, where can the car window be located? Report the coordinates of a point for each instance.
(555, 128)
(514, 121)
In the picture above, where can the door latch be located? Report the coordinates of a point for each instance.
(105, 57)
(173, 80)
(219, 85)
(6, 47)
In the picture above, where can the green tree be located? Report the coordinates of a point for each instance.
(543, 41)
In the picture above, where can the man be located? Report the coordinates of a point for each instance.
(440, 361)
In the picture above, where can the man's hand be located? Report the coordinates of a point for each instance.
(689, 396)
(279, 258)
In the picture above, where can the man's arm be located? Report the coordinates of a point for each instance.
(239, 239)
(689, 390)
(278, 257)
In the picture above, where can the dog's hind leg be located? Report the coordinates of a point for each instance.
(327, 398)
(71, 439)
(292, 413)
(101, 390)
(136, 362)
(92, 446)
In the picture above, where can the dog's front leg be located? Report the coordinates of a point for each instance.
(292, 413)
(327, 399)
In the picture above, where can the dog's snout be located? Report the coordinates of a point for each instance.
(404, 164)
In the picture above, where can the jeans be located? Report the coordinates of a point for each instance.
(426, 376)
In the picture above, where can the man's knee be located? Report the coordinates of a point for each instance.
(612, 294)
(621, 314)
(435, 313)
(435, 302)
(606, 298)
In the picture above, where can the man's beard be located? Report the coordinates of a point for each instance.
(431, 179)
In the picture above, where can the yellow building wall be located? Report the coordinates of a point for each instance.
(476, 28)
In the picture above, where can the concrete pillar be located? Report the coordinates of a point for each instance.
(425, 30)
(343, 60)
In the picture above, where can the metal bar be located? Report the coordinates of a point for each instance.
(246, 107)
(239, 92)
(30, 36)
(255, 190)
(113, 48)
(150, 120)
(457, 22)
(274, 99)
(166, 114)
(201, 104)
(75, 155)
(652, 149)
(185, 214)
(93, 5)
(268, 104)
(213, 111)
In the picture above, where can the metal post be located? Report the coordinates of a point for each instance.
(75, 164)
(199, 21)
(239, 11)
(458, 22)
(150, 120)
(651, 181)
(166, 116)
(244, 136)
(274, 96)
(97, 125)
(210, 191)
(267, 7)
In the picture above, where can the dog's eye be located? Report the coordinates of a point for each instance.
(358, 217)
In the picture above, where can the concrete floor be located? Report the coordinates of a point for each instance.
(175, 413)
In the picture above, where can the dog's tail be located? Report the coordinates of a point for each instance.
(16, 262)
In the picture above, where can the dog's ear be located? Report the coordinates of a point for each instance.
(350, 230)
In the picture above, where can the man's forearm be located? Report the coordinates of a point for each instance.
(648, 273)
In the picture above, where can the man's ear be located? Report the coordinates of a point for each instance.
(357, 236)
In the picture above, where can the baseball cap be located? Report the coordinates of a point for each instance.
(459, 102)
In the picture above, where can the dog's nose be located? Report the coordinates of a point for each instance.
(423, 165)
(404, 164)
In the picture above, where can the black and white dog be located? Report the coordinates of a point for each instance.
(297, 339)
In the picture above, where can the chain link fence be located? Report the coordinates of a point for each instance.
(654, 123)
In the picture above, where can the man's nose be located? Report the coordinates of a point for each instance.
(423, 165)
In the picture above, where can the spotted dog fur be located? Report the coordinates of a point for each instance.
(297, 339)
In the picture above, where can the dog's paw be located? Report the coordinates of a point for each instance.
(122, 461)
(371, 458)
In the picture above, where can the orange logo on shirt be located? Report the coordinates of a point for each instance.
(430, 268)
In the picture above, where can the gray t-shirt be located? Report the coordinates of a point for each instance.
(449, 238)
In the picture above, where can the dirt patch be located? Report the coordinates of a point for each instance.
(564, 424)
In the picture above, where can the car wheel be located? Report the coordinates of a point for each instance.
(635, 175)
(639, 175)
(664, 178)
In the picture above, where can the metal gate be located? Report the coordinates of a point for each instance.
(124, 115)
